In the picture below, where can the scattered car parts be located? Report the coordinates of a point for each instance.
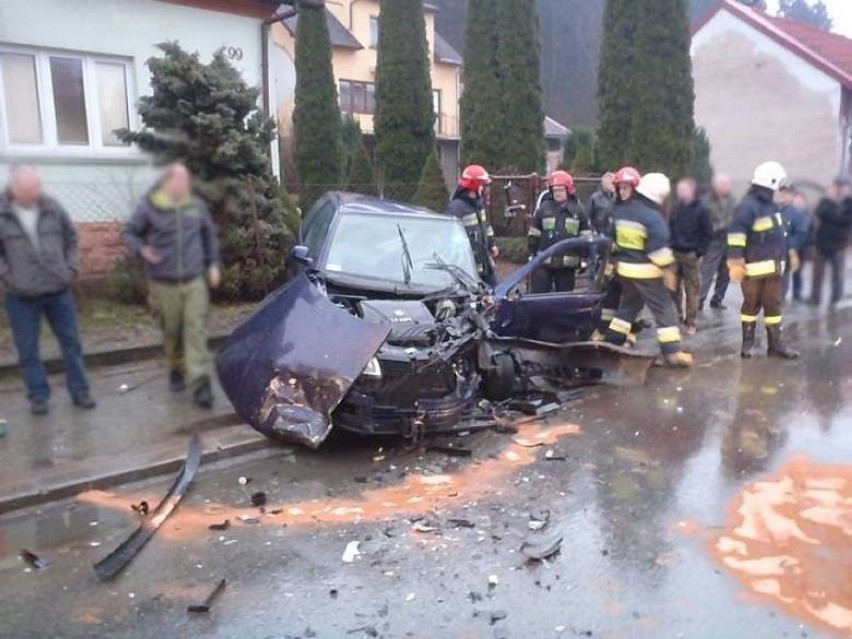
(111, 565)
(207, 604)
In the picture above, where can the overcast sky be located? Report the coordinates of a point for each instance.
(841, 13)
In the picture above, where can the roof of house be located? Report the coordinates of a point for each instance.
(340, 35)
(444, 51)
(552, 129)
(831, 53)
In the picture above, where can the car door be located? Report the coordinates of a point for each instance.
(555, 318)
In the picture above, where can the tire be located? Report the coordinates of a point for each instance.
(499, 381)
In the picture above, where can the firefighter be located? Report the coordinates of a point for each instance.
(627, 177)
(560, 216)
(467, 206)
(757, 250)
(646, 266)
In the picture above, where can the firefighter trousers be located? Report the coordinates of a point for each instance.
(763, 293)
(635, 295)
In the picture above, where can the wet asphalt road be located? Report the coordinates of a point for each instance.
(712, 503)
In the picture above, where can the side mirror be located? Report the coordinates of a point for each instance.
(300, 255)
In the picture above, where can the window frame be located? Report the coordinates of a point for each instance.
(50, 145)
(374, 31)
(352, 108)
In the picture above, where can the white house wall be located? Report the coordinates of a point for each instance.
(101, 186)
(759, 101)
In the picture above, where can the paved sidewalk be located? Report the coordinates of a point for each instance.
(130, 435)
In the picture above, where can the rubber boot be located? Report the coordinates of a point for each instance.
(747, 351)
(678, 360)
(777, 348)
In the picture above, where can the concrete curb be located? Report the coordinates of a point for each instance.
(114, 357)
(172, 464)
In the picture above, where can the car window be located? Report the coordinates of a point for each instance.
(317, 228)
(368, 245)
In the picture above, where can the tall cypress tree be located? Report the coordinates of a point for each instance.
(646, 93)
(616, 71)
(663, 114)
(405, 116)
(362, 179)
(520, 106)
(318, 142)
(481, 140)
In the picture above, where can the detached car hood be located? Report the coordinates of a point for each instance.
(288, 366)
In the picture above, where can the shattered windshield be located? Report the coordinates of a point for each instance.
(396, 248)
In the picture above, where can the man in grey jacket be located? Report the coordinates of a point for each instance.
(173, 232)
(39, 258)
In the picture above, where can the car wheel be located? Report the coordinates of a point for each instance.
(499, 381)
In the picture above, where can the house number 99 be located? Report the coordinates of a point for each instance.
(234, 53)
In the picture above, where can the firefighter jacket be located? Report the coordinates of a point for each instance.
(472, 215)
(554, 222)
(757, 234)
(642, 239)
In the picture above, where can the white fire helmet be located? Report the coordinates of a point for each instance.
(770, 175)
(655, 186)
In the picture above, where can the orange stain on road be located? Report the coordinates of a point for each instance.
(416, 494)
(790, 542)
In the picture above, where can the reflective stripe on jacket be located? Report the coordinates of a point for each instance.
(554, 222)
(757, 234)
(642, 239)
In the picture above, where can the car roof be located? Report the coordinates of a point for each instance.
(357, 203)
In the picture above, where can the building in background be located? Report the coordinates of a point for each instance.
(354, 30)
(771, 88)
(71, 73)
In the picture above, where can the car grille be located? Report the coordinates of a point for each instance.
(393, 369)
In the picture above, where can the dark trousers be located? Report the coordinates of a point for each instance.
(796, 278)
(837, 261)
(762, 294)
(714, 265)
(688, 285)
(635, 295)
(25, 317)
(547, 280)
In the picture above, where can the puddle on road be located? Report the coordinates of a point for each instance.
(416, 494)
(790, 542)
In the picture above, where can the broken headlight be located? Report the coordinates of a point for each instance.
(374, 369)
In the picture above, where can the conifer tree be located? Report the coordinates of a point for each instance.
(432, 192)
(318, 143)
(481, 142)
(520, 107)
(362, 178)
(405, 117)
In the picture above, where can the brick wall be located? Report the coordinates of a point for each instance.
(100, 248)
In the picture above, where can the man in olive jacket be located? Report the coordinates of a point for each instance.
(39, 258)
(173, 232)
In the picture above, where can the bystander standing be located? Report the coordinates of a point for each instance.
(834, 220)
(39, 258)
(173, 232)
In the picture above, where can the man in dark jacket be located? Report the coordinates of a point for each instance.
(797, 224)
(721, 205)
(757, 250)
(834, 220)
(173, 232)
(560, 216)
(39, 258)
(691, 234)
(601, 203)
(467, 206)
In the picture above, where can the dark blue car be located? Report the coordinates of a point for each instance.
(385, 328)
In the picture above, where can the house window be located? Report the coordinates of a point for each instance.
(357, 97)
(52, 101)
(374, 31)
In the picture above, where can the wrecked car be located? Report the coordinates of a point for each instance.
(385, 328)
